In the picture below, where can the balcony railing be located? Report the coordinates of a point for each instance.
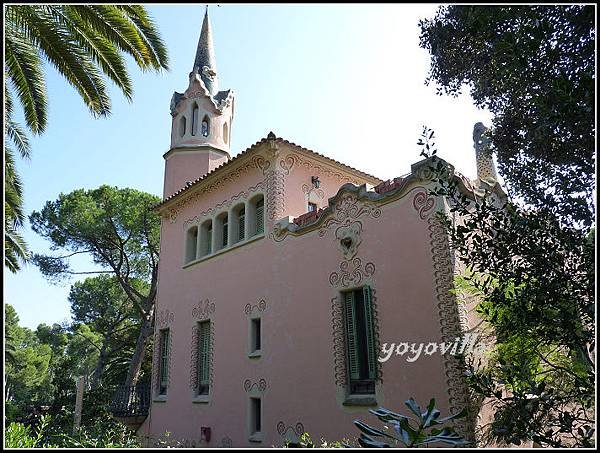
(131, 401)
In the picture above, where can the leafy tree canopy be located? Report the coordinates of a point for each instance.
(533, 67)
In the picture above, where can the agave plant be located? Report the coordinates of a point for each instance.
(419, 431)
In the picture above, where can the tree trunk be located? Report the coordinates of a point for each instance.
(99, 365)
(135, 366)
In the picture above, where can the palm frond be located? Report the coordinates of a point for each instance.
(15, 248)
(24, 69)
(101, 50)
(13, 191)
(66, 56)
(156, 50)
(15, 132)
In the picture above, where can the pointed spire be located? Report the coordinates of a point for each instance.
(205, 63)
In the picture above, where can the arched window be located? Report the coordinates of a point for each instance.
(206, 238)
(191, 243)
(195, 113)
(238, 223)
(221, 231)
(182, 122)
(205, 126)
(225, 133)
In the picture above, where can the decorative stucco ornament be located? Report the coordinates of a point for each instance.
(175, 99)
(209, 73)
(486, 170)
(348, 239)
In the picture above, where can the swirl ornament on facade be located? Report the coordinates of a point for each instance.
(308, 190)
(288, 163)
(351, 273)
(261, 163)
(339, 342)
(203, 310)
(297, 430)
(423, 203)
(347, 209)
(260, 386)
(450, 325)
(260, 306)
(164, 318)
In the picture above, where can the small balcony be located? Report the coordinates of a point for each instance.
(130, 404)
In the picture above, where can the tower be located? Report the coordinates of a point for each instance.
(201, 120)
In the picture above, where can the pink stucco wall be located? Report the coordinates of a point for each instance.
(293, 277)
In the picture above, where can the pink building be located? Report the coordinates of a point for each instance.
(282, 275)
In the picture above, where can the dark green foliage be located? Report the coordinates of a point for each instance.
(535, 279)
(533, 67)
(421, 429)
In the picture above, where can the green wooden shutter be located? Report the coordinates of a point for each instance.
(204, 353)
(371, 353)
(351, 335)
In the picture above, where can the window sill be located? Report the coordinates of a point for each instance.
(160, 399)
(225, 250)
(256, 437)
(360, 400)
(201, 399)
(255, 354)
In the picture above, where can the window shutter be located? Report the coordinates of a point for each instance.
(164, 359)
(351, 337)
(260, 221)
(204, 353)
(241, 226)
(371, 353)
(225, 231)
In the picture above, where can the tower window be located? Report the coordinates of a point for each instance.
(225, 133)
(182, 125)
(205, 127)
(195, 113)
(312, 207)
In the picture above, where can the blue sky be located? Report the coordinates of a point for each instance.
(346, 81)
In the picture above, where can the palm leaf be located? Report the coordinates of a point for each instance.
(66, 56)
(24, 69)
(18, 136)
(101, 50)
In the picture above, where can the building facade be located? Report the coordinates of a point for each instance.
(282, 275)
